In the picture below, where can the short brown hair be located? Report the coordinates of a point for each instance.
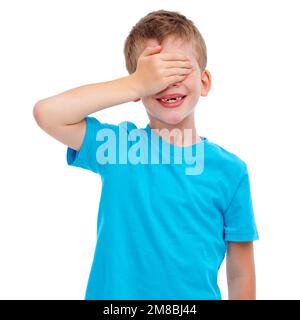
(159, 25)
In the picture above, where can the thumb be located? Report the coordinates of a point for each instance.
(151, 50)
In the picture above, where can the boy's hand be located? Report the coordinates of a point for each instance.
(156, 71)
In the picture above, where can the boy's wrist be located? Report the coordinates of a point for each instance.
(135, 86)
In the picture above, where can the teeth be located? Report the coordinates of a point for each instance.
(172, 99)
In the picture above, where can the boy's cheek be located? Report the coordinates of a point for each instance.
(193, 79)
(190, 80)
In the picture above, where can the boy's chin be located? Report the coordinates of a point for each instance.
(172, 118)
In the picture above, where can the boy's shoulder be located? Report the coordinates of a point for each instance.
(225, 158)
(127, 125)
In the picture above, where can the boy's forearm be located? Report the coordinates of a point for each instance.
(73, 105)
(242, 288)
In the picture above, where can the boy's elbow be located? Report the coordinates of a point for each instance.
(40, 114)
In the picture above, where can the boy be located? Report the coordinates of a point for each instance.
(162, 231)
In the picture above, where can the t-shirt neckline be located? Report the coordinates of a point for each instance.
(188, 152)
(172, 145)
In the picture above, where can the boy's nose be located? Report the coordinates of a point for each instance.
(177, 84)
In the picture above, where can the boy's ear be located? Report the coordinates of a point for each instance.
(205, 82)
(137, 100)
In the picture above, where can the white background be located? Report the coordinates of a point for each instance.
(49, 210)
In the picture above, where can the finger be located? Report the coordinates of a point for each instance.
(176, 71)
(166, 56)
(177, 64)
(150, 50)
(175, 79)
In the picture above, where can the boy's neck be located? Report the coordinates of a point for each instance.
(184, 138)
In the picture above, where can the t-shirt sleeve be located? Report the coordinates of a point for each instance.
(239, 220)
(86, 157)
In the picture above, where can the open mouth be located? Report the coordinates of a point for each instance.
(171, 102)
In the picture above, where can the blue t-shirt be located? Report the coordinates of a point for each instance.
(161, 233)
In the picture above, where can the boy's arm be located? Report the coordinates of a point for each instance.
(240, 270)
(62, 116)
